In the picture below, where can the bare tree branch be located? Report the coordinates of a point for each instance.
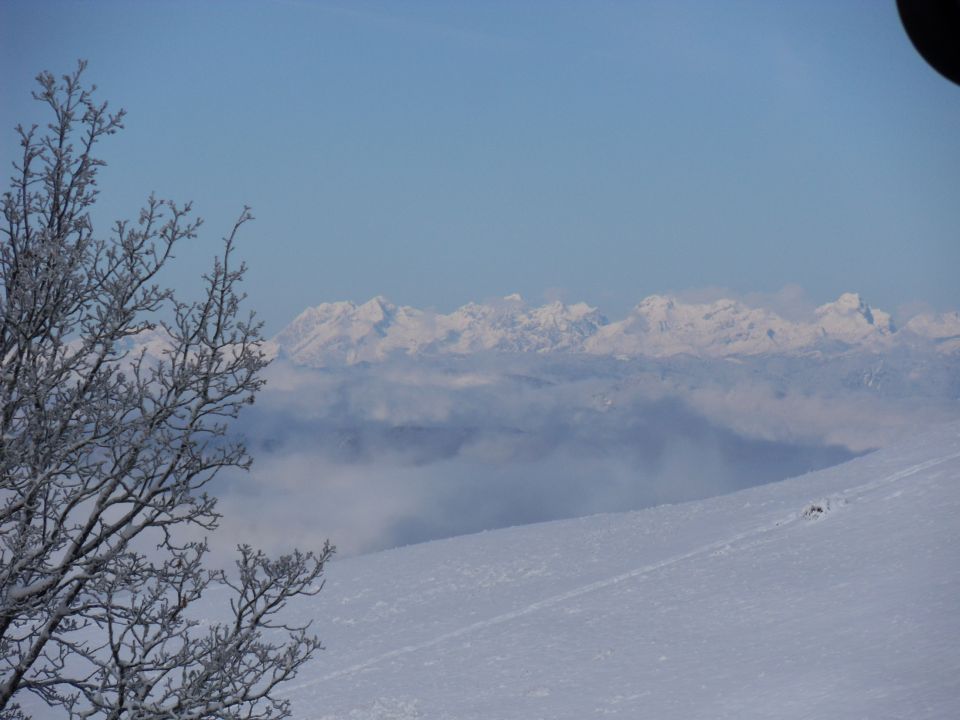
(105, 451)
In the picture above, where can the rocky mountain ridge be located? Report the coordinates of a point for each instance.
(659, 326)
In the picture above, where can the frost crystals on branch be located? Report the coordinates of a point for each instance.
(105, 452)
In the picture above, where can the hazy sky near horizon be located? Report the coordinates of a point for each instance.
(440, 152)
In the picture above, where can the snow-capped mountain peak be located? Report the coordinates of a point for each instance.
(850, 319)
(658, 326)
(376, 311)
(663, 326)
(655, 303)
(345, 331)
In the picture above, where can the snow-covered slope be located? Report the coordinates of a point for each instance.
(346, 333)
(831, 595)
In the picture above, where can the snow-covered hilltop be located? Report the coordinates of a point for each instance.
(346, 333)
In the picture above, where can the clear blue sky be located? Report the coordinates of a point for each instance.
(438, 152)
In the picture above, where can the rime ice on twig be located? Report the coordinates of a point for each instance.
(104, 456)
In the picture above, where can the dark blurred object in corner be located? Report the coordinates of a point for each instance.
(934, 29)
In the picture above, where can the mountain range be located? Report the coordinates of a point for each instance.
(660, 326)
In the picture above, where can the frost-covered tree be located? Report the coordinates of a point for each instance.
(105, 450)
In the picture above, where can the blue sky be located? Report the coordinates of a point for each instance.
(440, 152)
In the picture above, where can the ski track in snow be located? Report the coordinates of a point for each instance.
(560, 598)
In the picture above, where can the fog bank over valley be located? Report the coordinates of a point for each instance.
(418, 447)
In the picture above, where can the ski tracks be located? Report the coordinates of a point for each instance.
(756, 535)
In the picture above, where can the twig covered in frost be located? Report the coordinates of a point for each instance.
(105, 453)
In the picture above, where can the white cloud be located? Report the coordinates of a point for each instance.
(405, 451)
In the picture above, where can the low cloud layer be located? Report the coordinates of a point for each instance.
(379, 456)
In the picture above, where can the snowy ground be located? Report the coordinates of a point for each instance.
(831, 595)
